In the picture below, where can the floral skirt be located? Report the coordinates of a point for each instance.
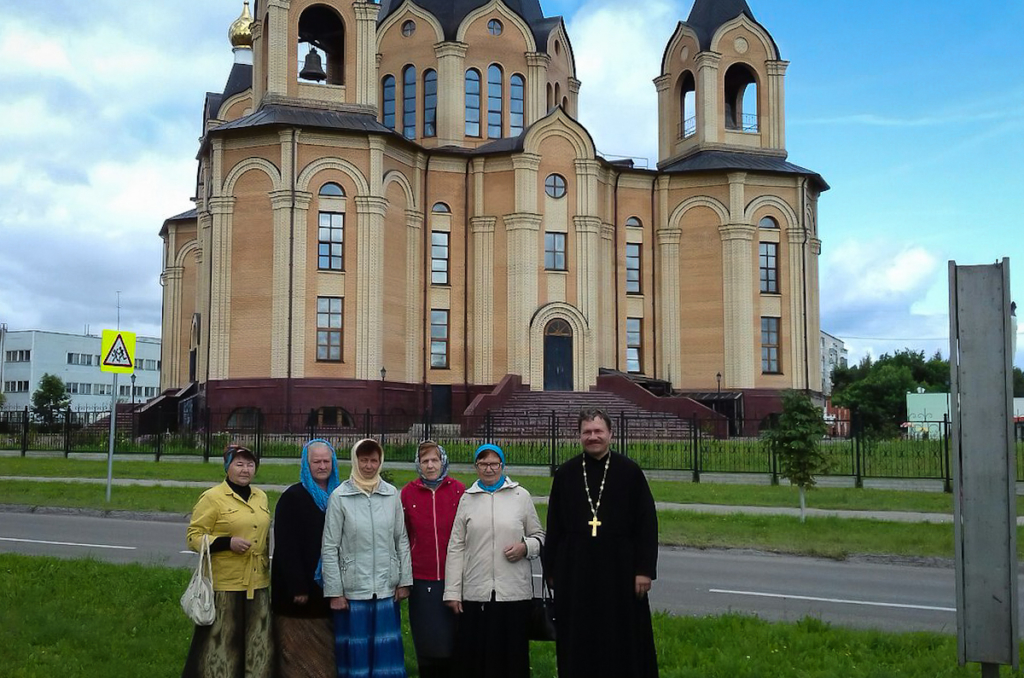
(237, 644)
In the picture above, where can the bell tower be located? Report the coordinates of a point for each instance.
(721, 85)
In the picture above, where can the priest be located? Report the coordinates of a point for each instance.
(600, 558)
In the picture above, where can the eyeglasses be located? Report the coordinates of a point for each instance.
(488, 465)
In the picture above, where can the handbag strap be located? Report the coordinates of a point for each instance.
(205, 557)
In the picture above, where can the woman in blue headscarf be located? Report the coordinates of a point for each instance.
(488, 580)
(302, 617)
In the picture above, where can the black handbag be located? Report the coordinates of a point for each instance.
(542, 614)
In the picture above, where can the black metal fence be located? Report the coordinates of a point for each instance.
(529, 438)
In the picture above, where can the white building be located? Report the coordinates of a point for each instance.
(833, 355)
(75, 358)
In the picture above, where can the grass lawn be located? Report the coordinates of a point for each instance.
(83, 618)
(681, 492)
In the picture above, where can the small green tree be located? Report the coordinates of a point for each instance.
(796, 442)
(50, 400)
(3, 399)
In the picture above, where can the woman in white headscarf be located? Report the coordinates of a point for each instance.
(367, 569)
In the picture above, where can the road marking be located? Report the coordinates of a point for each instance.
(68, 543)
(834, 600)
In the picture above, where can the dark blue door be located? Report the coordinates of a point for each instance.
(558, 356)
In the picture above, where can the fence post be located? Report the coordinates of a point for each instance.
(623, 435)
(858, 462)
(773, 464)
(67, 432)
(24, 431)
(208, 434)
(311, 423)
(695, 433)
(428, 425)
(947, 482)
(259, 434)
(553, 456)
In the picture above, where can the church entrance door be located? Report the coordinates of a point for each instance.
(558, 356)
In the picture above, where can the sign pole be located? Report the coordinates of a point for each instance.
(113, 429)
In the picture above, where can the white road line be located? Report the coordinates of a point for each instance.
(68, 543)
(834, 600)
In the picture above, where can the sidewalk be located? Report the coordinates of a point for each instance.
(717, 509)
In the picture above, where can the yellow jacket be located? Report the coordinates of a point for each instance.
(222, 513)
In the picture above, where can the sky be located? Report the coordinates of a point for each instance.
(912, 111)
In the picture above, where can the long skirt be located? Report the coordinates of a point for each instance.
(237, 644)
(368, 640)
(304, 647)
(491, 640)
(433, 627)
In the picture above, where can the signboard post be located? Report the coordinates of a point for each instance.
(984, 465)
(118, 351)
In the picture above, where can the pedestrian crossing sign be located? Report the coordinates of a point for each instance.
(118, 351)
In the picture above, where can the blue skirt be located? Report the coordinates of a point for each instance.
(368, 640)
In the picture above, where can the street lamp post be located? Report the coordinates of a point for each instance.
(133, 407)
(383, 374)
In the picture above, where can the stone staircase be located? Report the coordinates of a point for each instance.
(529, 413)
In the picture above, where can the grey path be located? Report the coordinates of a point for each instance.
(857, 593)
(891, 516)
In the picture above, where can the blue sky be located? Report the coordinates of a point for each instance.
(913, 111)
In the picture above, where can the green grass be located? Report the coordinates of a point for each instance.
(82, 618)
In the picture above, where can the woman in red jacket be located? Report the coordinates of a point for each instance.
(430, 503)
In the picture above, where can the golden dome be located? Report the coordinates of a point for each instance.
(240, 33)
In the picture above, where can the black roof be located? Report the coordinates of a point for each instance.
(239, 80)
(707, 16)
(450, 13)
(709, 161)
(184, 216)
(277, 114)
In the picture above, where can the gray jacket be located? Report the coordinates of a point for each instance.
(365, 547)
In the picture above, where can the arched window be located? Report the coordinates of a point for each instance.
(767, 222)
(388, 107)
(430, 103)
(322, 31)
(551, 97)
(558, 93)
(740, 99)
(332, 190)
(516, 104)
(409, 102)
(687, 106)
(633, 222)
(441, 208)
(495, 99)
(472, 103)
(244, 418)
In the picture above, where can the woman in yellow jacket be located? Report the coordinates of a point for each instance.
(236, 518)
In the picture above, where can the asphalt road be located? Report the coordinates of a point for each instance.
(861, 594)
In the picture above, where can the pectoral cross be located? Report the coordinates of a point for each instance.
(594, 524)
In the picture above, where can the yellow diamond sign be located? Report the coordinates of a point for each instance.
(118, 352)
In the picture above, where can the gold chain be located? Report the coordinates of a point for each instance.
(600, 493)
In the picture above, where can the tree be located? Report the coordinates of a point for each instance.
(1018, 383)
(796, 442)
(50, 400)
(3, 399)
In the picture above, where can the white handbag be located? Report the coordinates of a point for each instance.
(197, 601)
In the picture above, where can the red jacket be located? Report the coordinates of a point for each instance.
(428, 520)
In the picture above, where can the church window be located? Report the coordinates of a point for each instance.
(329, 312)
(687, 106)
(517, 104)
(770, 346)
(767, 222)
(331, 242)
(438, 339)
(494, 27)
(430, 103)
(634, 345)
(409, 102)
(408, 28)
(322, 30)
(740, 99)
(472, 103)
(332, 190)
(554, 185)
(633, 260)
(439, 258)
(633, 222)
(768, 257)
(441, 208)
(495, 96)
(388, 88)
(551, 97)
(554, 251)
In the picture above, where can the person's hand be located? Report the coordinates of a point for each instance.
(454, 605)
(239, 545)
(401, 593)
(300, 600)
(643, 585)
(339, 604)
(515, 552)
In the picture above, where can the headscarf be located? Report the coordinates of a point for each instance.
(234, 450)
(366, 485)
(320, 496)
(501, 455)
(431, 445)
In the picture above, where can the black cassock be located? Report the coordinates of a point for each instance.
(604, 630)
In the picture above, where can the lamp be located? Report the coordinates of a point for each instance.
(718, 378)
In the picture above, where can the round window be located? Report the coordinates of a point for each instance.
(494, 27)
(408, 28)
(554, 185)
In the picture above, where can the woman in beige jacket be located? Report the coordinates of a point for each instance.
(488, 577)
